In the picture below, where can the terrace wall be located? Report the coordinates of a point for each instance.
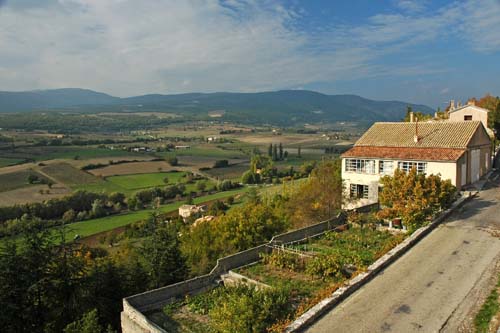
(133, 319)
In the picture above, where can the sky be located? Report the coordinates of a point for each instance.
(421, 51)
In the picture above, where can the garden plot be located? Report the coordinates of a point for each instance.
(300, 275)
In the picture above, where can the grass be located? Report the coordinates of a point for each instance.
(18, 179)
(489, 309)
(140, 181)
(94, 226)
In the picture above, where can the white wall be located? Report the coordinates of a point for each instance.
(447, 170)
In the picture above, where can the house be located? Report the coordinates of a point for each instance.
(186, 211)
(459, 151)
(469, 112)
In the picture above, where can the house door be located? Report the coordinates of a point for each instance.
(475, 165)
(463, 175)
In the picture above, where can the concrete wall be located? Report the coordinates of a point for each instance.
(133, 319)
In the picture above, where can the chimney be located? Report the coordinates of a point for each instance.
(415, 138)
(452, 105)
(412, 118)
(471, 102)
(459, 104)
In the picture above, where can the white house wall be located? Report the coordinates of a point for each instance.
(447, 170)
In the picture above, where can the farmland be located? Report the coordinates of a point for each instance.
(94, 226)
(19, 179)
(140, 181)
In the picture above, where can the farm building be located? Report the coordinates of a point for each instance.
(186, 211)
(459, 151)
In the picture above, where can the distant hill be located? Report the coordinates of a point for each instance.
(279, 107)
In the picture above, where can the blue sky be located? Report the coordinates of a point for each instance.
(418, 51)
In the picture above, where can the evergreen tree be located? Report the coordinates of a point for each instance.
(270, 150)
(299, 152)
(275, 153)
(281, 151)
(164, 261)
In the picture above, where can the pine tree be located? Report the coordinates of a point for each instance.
(270, 150)
(275, 153)
(281, 151)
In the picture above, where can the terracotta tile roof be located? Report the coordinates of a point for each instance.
(431, 134)
(403, 153)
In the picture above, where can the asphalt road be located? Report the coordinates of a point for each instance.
(432, 286)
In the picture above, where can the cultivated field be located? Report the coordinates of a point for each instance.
(69, 175)
(18, 179)
(140, 181)
(34, 193)
(132, 168)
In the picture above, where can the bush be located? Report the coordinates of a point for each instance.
(246, 309)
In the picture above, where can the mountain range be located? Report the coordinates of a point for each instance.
(279, 107)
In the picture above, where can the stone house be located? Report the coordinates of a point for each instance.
(459, 151)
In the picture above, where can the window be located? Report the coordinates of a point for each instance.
(467, 118)
(357, 191)
(360, 166)
(385, 167)
(407, 166)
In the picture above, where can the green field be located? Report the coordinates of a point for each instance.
(94, 226)
(18, 179)
(10, 161)
(140, 181)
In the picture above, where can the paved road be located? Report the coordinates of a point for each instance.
(433, 285)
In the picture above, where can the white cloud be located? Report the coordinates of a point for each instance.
(411, 5)
(129, 47)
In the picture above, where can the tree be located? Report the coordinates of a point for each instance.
(414, 197)
(98, 208)
(32, 178)
(320, 197)
(275, 153)
(165, 180)
(173, 161)
(280, 151)
(285, 154)
(164, 261)
(89, 323)
(69, 216)
(270, 150)
(299, 152)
